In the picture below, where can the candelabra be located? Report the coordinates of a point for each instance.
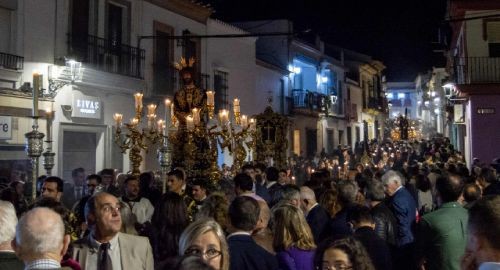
(34, 149)
(48, 155)
(138, 138)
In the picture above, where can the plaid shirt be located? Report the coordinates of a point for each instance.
(43, 264)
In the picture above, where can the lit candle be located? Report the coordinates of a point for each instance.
(118, 119)
(236, 105)
(168, 103)
(252, 123)
(196, 116)
(36, 89)
(151, 109)
(134, 121)
(160, 126)
(189, 123)
(244, 121)
(210, 98)
(138, 100)
(49, 114)
(224, 117)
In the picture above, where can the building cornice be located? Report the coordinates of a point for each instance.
(189, 9)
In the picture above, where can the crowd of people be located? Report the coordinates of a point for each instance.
(402, 205)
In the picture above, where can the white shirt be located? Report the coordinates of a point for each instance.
(113, 253)
(489, 266)
(143, 209)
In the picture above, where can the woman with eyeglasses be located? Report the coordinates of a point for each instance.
(204, 238)
(343, 254)
(292, 239)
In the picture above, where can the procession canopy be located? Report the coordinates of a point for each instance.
(271, 138)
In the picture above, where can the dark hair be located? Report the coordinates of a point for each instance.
(55, 179)
(375, 191)
(244, 213)
(169, 220)
(484, 219)
(359, 213)
(243, 181)
(487, 175)
(283, 171)
(261, 167)
(422, 182)
(272, 174)
(247, 166)
(107, 172)
(202, 182)
(94, 176)
(145, 179)
(130, 178)
(177, 173)
(215, 206)
(472, 192)
(353, 248)
(77, 171)
(450, 187)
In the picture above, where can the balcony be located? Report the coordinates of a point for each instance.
(107, 55)
(305, 100)
(10, 61)
(477, 70)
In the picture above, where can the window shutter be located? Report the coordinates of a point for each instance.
(493, 32)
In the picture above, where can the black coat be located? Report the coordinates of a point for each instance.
(245, 254)
(385, 223)
(318, 219)
(376, 247)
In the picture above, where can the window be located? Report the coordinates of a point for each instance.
(221, 90)
(493, 37)
(192, 48)
(296, 142)
(5, 31)
(164, 73)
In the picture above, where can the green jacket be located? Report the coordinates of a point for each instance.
(441, 237)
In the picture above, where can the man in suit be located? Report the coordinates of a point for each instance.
(317, 217)
(75, 191)
(257, 188)
(109, 182)
(105, 247)
(40, 240)
(404, 208)
(348, 190)
(8, 222)
(244, 253)
(362, 222)
(441, 235)
(52, 187)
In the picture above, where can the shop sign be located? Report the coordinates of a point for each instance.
(86, 106)
(5, 127)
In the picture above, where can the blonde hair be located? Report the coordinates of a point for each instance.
(200, 227)
(291, 229)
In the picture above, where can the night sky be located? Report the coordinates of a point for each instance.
(399, 33)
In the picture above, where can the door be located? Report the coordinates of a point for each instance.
(311, 142)
(358, 134)
(163, 73)
(349, 136)
(79, 150)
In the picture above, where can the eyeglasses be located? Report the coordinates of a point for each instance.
(336, 266)
(209, 253)
(109, 208)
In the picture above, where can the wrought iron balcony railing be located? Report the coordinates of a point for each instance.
(10, 61)
(304, 99)
(471, 70)
(107, 55)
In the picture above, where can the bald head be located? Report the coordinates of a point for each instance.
(40, 235)
(307, 198)
(265, 215)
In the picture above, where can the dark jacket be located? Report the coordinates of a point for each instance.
(404, 208)
(385, 223)
(376, 247)
(294, 259)
(245, 254)
(9, 260)
(338, 224)
(262, 192)
(318, 219)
